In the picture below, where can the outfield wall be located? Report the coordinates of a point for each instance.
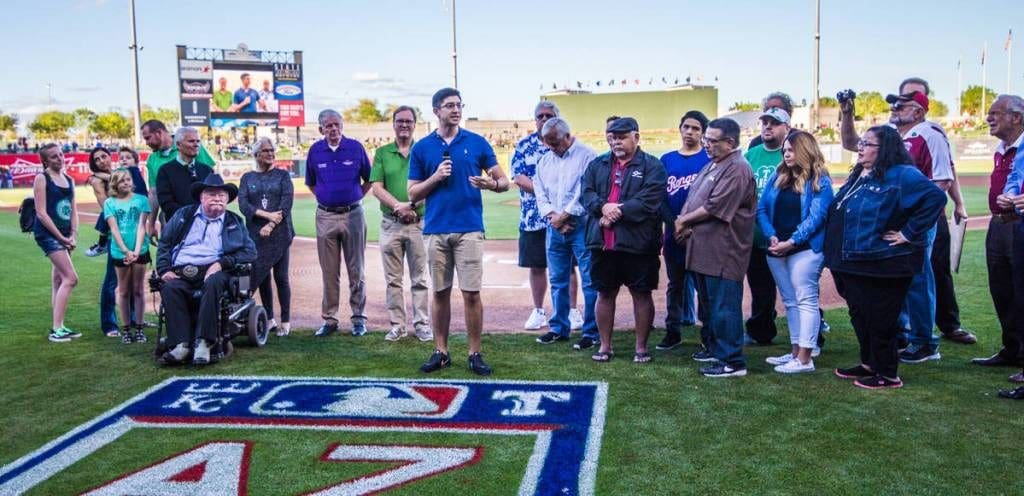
(658, 109)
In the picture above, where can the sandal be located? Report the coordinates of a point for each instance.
(602, 356)
(641, 357)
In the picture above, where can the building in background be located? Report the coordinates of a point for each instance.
(586, 111)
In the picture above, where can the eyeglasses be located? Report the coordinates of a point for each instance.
(867, 144)
(405, 122)
(712, 141)
(545, 116)
(453, 105)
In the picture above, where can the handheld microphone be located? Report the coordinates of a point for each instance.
(445, 156)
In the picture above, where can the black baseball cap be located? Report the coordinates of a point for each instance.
(623, 125)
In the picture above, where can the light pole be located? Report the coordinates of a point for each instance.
(817, 68)
(134, 47)
(455, 55)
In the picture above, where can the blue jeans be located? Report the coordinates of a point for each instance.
(560, 249)
(918, 315)
(797, 276)
(723, 330)
(108, 298)
(680, 297)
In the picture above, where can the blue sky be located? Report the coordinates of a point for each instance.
(399, 51)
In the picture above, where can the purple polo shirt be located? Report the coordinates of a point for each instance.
(334, 175)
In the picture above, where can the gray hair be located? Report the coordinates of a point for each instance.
(787, 102)
(1014, 104)
(325, 113)
(546, 104)
(182, 131)
(556, 124)
(259, 144)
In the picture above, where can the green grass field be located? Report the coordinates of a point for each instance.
(668, 430)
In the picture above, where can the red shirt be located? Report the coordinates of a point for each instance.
(618, 173)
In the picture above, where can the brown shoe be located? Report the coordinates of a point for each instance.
(1017, 378)
(960, 336)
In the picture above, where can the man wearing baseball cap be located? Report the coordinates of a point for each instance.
(763, 159)
(196, 246)
(622, 193)
(929, 149)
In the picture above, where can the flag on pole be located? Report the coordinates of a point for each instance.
(1009, 40)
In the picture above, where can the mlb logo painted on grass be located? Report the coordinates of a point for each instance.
(565, 420)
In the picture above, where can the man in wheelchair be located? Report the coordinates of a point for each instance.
(198, 248)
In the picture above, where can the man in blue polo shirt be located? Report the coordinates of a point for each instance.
(245, 97)
(444, 169)
(338, 174)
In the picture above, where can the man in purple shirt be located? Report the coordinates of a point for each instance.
(338, 174)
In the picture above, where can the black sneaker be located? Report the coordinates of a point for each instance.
(902, 343)
(723, 370)
(878, 382)
(921, 354)
(671, 340)
(326, 330)
(552, 337)
(854, 372)
(437, 361)
(703, 355)
(477, 365)
(583, 344)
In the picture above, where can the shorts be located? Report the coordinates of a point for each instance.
(533, 249)
(48, 243)
(456, 252)
(610, 270)
(142, 260)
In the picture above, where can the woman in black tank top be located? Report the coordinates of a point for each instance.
(56, 232)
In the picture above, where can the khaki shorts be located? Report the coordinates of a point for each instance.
(456, 252)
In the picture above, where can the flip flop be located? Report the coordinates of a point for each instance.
(641, 357)
(602, 356)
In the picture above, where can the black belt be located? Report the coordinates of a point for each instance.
(1005, 218)
(340, 210)
(399, 219)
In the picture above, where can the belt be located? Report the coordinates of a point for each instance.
(1005, 218)
(191, 273)
(340, 210)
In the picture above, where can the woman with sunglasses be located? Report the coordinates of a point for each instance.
(874, 244)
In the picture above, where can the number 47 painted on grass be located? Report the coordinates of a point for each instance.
(222, 467)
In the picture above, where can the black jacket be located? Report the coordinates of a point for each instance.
(642, 194)
(174, 186)
(237, 245)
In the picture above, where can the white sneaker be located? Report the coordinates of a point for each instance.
(795, 367)
(423, 333)
(397, 332)
(575, 319)
(537, 320)
(201, 355)
(779, 360)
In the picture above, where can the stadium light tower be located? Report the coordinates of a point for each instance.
(455, 55)
(815, 102)
(134, 47)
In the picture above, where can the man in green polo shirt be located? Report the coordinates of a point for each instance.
(401, 229)
(161, 142)
(222, 97)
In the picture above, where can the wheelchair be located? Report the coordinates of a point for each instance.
(239, 315)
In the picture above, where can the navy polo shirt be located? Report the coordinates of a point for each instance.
(454, 206)
(334, 176)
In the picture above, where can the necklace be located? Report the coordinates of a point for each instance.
(853, 190)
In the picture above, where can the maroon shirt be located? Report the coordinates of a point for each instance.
(997, 181)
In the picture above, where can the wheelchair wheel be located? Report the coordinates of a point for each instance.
(257, 326)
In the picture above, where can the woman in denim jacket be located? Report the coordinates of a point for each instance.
(874, 244)
(791, 213)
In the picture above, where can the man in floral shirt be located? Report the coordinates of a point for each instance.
(532, 226)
